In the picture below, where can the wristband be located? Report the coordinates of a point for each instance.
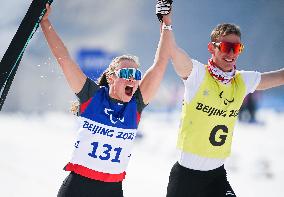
(167, 27)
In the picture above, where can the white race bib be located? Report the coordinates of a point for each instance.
(103, 148)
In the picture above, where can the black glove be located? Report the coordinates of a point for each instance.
(163, 7)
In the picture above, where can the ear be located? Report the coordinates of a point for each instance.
(109, 79)
(211, 48)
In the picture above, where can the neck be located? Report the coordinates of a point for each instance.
(112, 94)
(212, 62)
(220, 75)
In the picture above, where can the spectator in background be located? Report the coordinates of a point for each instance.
(248, 109)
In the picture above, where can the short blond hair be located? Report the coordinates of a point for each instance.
(224, 29)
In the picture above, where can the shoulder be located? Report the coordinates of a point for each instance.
(197, 73)
(139, 100)
(194, 81)
(251, 79)
(89, 89)
(249, 76)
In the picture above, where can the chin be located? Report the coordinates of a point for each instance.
(229, 67)
(126, 98)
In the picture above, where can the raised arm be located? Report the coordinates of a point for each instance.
(151, 81)
(181, 61)
(74, 75)
(271, 79)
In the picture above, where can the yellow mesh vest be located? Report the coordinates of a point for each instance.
(208, 121)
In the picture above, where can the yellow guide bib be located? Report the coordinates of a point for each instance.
(208, 120)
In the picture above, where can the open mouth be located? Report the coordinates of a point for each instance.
(229, 60)
(129, 90)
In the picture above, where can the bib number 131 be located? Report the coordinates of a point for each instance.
(106, 153)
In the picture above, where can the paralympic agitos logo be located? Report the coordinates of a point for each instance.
(113, 119)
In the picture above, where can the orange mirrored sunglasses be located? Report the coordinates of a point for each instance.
(226, 47)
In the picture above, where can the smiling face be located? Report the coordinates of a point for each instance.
(119, 88)
(225, 61)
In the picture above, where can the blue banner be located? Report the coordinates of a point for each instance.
(94, 62)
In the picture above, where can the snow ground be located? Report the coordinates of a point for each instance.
(34, 149)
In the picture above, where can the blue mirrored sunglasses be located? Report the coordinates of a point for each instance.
(127, 73)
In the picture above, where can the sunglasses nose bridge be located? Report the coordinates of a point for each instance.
(232, 50)
(129, 74)
(229, 50)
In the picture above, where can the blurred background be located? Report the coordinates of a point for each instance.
(37, 128)
(130, 26)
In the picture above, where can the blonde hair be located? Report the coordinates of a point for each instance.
(224, 30)
(102, 81)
